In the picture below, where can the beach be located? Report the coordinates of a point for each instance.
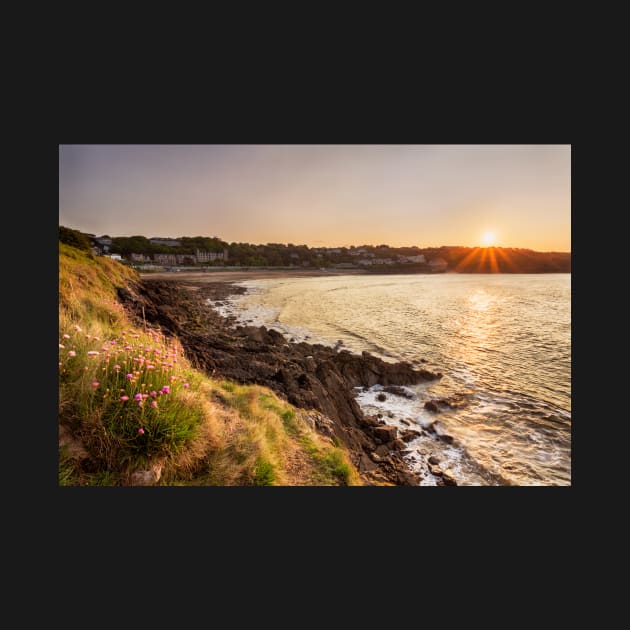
(203, 277)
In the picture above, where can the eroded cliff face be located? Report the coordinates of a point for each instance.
(309, 376)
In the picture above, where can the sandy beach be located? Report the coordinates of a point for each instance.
(203, 277)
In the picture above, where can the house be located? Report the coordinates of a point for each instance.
(202, 256)
(412, 259)
(105, 242)
(115, 256)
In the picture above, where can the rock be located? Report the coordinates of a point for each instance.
(399, 391)
(445, 437)
(431, 406)
(146, 477)
(385, 433)
(399, 445)
(433, 460)
(435, 470)
(405, 422)
(375, 457)
(448, 478)
(366, 464)
(381, 397)
(409, 434)
(408, 479)
(382, 450)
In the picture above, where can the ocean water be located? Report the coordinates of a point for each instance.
(502, 342)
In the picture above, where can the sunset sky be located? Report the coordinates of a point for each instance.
(323, 195)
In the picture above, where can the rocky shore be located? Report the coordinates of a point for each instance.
(310, 376)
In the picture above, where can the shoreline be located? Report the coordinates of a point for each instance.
(312, 377)
(208, 277)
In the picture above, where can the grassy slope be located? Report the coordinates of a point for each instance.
(129, 400)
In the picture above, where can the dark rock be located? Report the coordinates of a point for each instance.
(431, 406)
(399, 391)
(435, 470)
(381, 397)
(405, 421)
(399, 445)
(382, 450)
(409, 434)
(445, 437)
(448, 478)
(385, 433)
(433, 460)
(366, 464)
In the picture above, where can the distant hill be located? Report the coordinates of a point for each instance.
(374, 258)
(501, 260)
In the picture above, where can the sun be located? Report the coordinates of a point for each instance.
(489, 239)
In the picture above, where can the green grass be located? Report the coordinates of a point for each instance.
(264, 473)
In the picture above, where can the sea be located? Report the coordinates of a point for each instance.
(501, 341)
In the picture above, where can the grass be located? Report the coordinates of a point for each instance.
(130, 400)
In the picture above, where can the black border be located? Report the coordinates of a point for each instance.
(339, 515)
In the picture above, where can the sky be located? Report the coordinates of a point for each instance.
(323, 195)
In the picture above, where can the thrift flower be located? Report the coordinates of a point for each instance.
(138, 396)
(186, 385)
(141, 431)
(93, 353)
(66, 336)
(129, 376)
(154, 394)
(95, 384)
(153, 403)
(124, 398)
(61, 346)
(117, 368)
(72, 353)
(166, 389)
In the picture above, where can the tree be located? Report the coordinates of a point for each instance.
(74, 238)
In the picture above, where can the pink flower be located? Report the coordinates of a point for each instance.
(138, 396)
(112, 343)
(93, 353)
(150, 367)
(128, 347)
(61, 346)
(154, 403)
(124, 398)
(129, 376)
(117, 367)
(166, 389)
(72, 353)
(141, 431)
(66, 336)
(78, 328)
(173, 378)
(95, 384)
(154, 394)
(186, 385)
